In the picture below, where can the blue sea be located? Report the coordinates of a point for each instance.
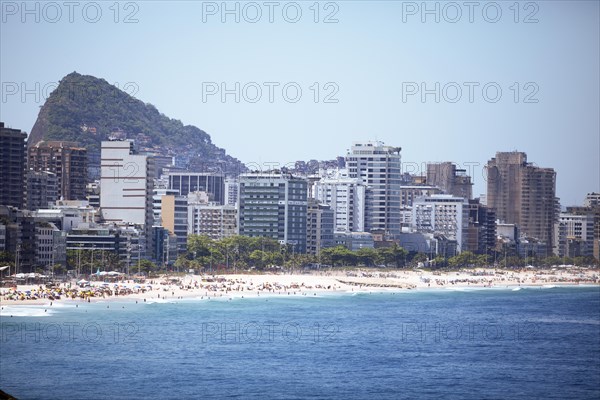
(453, 344)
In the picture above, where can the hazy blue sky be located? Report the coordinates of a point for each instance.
(372, 61)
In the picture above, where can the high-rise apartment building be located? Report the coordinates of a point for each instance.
(274, 205)
(319, 227)
(347, 199)
(210, 219)
(50, 245)
(187, 182)
(67, 160)
(379, 167)
(12, 166)
(19, 236)
(481, 237)
(577, 231)
(442, 214)
(42, 189)
(450, 179)
(174, 217)
(164, 246)
(408, 193)
(232, 188)
(523, 194)
(592, 200)
(574, 233)
(213, 220)
(126, 186)
(157, 195)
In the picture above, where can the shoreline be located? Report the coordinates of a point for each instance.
(228, 287)
(10, 306)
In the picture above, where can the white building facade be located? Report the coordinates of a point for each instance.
(443, 215)
(347, 199)
(379, 168)
(574, 235)
(232, 188)
(213, 220)
(126, 184)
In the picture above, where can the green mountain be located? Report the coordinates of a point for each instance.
(87, 110)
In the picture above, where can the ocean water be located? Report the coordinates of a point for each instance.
(456, 344)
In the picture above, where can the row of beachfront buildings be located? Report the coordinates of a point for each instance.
(144, 207)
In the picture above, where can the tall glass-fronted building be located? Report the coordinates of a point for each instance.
(274, 205)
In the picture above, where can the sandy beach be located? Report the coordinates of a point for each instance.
(201, 287)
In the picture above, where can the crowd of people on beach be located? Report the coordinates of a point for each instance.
(223, 285)
(83, 290)
(57, 293)
(209, 286)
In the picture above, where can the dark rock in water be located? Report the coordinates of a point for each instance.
(6, 396)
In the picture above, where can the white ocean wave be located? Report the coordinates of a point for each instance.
(25, 311)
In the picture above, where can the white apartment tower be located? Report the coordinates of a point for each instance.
(232, 187)
(126, 184)
(442, 214)
(347, 198)
(574, 234)
(379, 167)
(213, 220)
